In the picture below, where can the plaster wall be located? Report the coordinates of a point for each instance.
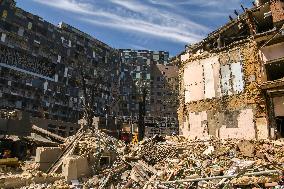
(245, 129)
(278, 106)
(196, 125)
(185, 57)
(193, 82)
(272, 52)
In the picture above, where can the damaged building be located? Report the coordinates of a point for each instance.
(231, 83)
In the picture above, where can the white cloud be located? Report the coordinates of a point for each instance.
(211, 9)
(170, 33)
(133, 16)
(139, 47)
(68, 5)
(131, 5)
(220, 4)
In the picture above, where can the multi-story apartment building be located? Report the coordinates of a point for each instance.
(39, 70)
(152, 71)
(42, 67)
(231, 83)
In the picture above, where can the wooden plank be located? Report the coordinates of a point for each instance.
(147, 167)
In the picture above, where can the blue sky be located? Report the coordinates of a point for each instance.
(139, 24)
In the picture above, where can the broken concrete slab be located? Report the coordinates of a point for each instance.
(45, 156)
(247, 148)
(75, 167)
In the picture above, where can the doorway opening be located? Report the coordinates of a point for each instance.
(280, 126)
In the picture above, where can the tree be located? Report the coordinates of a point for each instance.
(90, 81)
(142, 88)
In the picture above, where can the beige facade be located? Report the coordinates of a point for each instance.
(231, 82)
(220, 94)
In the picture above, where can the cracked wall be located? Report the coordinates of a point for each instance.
(221, 97)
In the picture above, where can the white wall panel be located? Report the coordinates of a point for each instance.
(237, 77)
(193, 82)
(217, 79)
(225, 80)
(209, 80)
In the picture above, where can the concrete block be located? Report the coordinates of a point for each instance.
(75, 167)
(46, 156)
(44, 166)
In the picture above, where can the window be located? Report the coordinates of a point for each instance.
(148, 76)
(5, 14)
(138, 76)
(21, 31)
(3, 37)
(158, 78)
(30, 25)
(275, 70)
(138, 68)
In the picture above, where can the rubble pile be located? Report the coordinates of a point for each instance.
(59, 184)
(172, 162)
(6, 114)
(6, 170)
(181, 163)
(89, 144)
(96, 143)
(152, 152)
(28, 178)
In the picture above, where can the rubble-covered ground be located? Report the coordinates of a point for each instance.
(171, 162)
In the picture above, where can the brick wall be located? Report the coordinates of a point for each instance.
(277, 9)
(233, 103)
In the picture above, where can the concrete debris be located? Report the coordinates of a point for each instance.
(181, 163)
(100, 161)
(209, 150)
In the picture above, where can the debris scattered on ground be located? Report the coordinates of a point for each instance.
(181, 163)
(172, 162)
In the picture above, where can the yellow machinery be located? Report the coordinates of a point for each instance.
(9, 162)
(135, 139)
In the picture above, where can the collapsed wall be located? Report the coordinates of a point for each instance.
(220, 94)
